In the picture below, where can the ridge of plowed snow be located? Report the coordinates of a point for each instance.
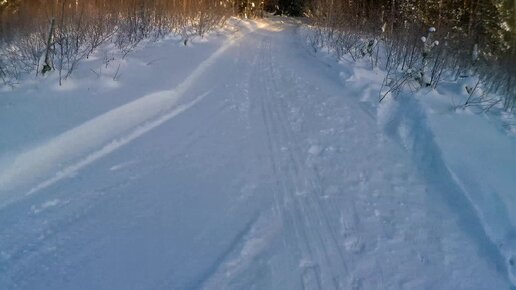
(62, 156)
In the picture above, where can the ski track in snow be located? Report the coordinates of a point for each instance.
(277, 180)
(297, 190)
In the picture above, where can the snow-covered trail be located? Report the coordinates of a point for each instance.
(261, 173)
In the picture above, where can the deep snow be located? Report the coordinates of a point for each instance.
(244, 162)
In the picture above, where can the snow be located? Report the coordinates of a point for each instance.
(45, 205)
(244, 162)
(315, 150)
(34, 164)
(481, 160)
(466, 152)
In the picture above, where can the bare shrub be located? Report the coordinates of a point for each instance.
(82, 26)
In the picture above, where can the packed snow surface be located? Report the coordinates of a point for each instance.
(246, 162)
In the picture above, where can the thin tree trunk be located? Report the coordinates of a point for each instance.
(47, 66)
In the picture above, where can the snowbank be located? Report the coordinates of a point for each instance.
(62, 156)
(469, 158)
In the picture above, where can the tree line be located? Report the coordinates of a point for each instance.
(475, 37)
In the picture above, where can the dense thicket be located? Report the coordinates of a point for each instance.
(65, 31)
(287, 7)
(476, 37)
